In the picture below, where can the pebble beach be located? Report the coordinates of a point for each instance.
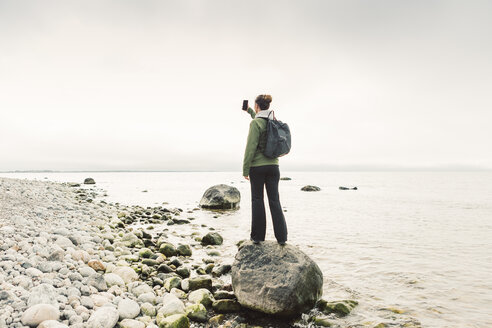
(70, 259)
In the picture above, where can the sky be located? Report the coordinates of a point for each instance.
(158, 85)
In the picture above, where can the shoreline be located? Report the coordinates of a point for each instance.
(64, 246)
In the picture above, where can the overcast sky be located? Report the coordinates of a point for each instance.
(158, 85)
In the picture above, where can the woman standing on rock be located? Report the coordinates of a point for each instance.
(262, 172)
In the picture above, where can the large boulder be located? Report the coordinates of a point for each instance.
(275, 279)
(221, 197)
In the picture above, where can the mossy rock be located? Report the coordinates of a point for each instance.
(173, 321)
(341, 308)
(196, 312)
(184, 250)
(212, 238)
(173, 282)
(226, 306)
(322, 322)
(145, 253)
(167, 249)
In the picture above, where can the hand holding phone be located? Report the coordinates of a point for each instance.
(245, 104)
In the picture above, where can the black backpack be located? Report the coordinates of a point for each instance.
(277, 138)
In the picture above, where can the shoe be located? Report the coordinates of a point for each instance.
(281, 243)
(255, 241)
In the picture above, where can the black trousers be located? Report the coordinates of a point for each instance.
(260, 177)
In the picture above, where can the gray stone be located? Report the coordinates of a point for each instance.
(203, 296)
(97, 281)
(221, 197)
(212, 238)
(43, 294)
(104, 317)
(310, 188)
(130, 323)
(89, 181)
(171, 305)
(128, 309)
(275, 279)
(39, 313)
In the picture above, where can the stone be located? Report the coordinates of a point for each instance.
(96, 265)
(140, 289)
(221, 197)
(167, 249)
(97, 281)
(203, 281)
(104, 317)
(221, 270)
(184, 250)
(145, 253)
(347, 188)
(226, 306)
(43, 294)
(130, 323)
(128, 309)
(212, 238)
(52, 324)
(171, 305)
(196, 312)
(38, 313)
(323, 322)
(148, 309)
(184, 272)
(57, 255)
(275, 279)
(285, 179)
(341, 308)
(216, 320)
(224, 294)
(131, 240)
(126, 273)
(202, 296)
(172, 282)
(89, 181)
(113, 279)
(173, 321)
(310, 188)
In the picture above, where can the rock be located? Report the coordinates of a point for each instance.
(172, 282)
(184, 250)
(184, 272)
(89, 181)
(129, 323)
(57, 255)
(96, 265)
(145, 253)
(347, 188)
(285, 178)
(221, 197)
(39, 313)
(216, 320)
(140, 289)
(221, 270)
(148, 309)
(202, 296)
(341, 308)
(43, 294)
(130, 240)
(126, 273)
(104, 317)
(97, 280)
(275, 279)
(52, 324)
(310, 188)
(212, 238)
(323, 321)
(113, 280)
(196, 312)
(171, 305)
(167, 249)
(224, 294)
(226, 306)
(173, 321)
(203, 281)
(128, 309)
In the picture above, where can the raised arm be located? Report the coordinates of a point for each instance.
(251, 112)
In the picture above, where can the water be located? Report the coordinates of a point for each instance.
(415, 242)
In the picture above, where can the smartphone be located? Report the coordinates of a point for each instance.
(245, 104)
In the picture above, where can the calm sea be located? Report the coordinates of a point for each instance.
(419, 243)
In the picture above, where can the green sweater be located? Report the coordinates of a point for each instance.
(253, 155)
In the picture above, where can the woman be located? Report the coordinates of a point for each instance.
(262, 172)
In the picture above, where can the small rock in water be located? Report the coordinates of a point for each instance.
(89, 181)
(212, 238)
(310, 188)
(347, 188)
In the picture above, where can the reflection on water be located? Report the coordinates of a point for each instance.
(406, 246)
